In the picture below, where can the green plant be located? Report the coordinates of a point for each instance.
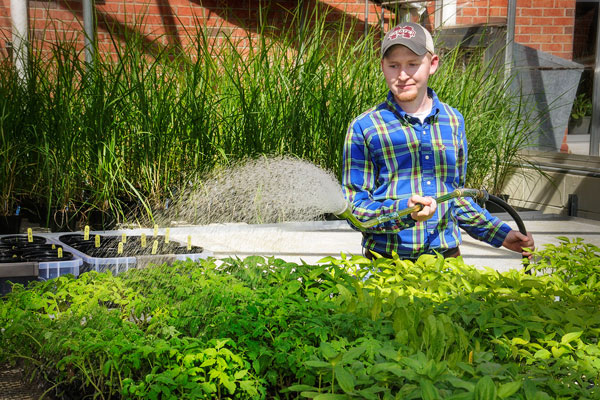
(345, 328)
(582, 107)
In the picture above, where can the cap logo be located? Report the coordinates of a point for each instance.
(406, 32)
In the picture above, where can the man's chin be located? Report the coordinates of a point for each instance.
(406, 97)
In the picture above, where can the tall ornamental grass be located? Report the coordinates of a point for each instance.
(137, 128)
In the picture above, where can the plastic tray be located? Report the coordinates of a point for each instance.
(117, 265)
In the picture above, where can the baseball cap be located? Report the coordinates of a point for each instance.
(411, 35)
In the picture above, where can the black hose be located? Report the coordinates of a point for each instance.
(515, 216)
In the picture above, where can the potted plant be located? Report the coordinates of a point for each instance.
(581, 115)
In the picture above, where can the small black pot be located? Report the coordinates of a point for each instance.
(46, 255)
(22, 240)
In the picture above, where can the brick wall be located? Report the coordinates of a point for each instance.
(166, 21)
(543, 24)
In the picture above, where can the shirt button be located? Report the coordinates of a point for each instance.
(429, 182)
(427, 157)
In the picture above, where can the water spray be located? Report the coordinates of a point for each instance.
(346, 212)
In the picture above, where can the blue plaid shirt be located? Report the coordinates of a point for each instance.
(389, 156)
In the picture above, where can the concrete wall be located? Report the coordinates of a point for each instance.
(561, 175)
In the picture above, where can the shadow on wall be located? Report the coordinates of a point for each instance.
(567, 175)
(253, 16)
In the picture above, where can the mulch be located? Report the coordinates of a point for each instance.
(13, 385)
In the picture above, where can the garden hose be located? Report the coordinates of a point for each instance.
(515, 216)
(346, 213)
(479, 194)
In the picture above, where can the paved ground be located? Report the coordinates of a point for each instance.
(311, 241)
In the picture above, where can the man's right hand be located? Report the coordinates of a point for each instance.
(429, 207)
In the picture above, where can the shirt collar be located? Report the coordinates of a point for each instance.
(395, 107)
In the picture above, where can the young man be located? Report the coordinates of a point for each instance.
(408, 150)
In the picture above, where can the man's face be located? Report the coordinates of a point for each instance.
(406, 73)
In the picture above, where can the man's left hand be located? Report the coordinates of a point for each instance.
(516, 241)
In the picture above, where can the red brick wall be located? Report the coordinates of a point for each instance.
(546, 25)
(168, 20)
(543, 24)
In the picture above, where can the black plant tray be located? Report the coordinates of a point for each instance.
(106, 256)
(24, 260)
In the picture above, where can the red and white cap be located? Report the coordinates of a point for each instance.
(411, 35)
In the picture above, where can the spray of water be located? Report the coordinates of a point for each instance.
(259, 191)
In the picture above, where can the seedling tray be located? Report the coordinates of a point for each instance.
(24, 259)
(106, 256)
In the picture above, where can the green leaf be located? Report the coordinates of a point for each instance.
(300, 388)
(344, 378)
(428, 390)
(557, 352)
(240, 374)
(293, 287)
(461, 396)
(249, 387)
(228, 384)
(310, 395)
(508, 389)
(530, 389)
(462, 384)
(208, 363)
(518, 340)
(330, 396)
(353, 354)
(328, 351)
(542, 354)
(317, 364)
(485, 389)
(106, 366)
(569, 337)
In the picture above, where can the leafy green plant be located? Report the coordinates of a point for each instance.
(345, 328)
(582, 107)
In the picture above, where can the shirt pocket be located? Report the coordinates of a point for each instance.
(446, 156)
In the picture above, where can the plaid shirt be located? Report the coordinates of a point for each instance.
(389, 156)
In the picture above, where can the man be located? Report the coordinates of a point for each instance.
(408, 150)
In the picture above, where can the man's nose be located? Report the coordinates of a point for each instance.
(403, 75)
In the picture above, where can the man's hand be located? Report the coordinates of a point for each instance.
(429, 207)
(515, 241)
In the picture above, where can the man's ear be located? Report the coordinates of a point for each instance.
(435, 62)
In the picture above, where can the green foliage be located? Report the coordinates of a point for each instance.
(346, 328)
(582, 107)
